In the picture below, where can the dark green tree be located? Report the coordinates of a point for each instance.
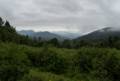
(7, 24)
(66, 44)
(54, 42)
(1, 21)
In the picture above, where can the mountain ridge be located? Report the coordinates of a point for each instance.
(101, 34)
(44, 35)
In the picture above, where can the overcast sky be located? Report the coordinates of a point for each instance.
(61, 15)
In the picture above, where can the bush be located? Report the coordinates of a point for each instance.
(13, 63)
(101, 63)
(36, 75)
(47, 60)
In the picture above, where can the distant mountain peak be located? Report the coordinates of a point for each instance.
(109, 29)
(101, 34)
(45, 35)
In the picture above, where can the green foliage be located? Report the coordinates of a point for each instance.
(36, 75)
(101, 63)
(13, 63)
(19, 62)
(54, 42)
(47, 60)
(66, 44)
(9, 34)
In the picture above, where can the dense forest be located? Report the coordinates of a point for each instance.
(26, 59)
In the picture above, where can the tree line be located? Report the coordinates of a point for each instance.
(8, 34)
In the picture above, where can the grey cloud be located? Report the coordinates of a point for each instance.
(82, 15)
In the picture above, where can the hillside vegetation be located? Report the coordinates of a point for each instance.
(25, 59)
(23, 63)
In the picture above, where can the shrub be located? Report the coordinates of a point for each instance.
(35, 75)
(13, 63)
(47, 60)
(101, 63)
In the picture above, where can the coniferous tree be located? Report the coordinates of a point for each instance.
(7, 24)
(1, 21)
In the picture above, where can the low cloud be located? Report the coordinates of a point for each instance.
(81, 15)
